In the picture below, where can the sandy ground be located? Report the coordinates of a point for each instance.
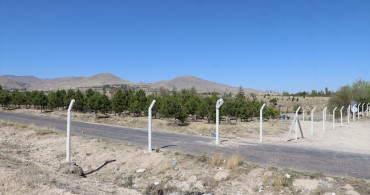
(352, 137)
(30, 157)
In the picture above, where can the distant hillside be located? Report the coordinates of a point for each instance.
(186, 82)
(99, 80)
(78, 82)
(17, 82)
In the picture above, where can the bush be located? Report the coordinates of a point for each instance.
(296, 107)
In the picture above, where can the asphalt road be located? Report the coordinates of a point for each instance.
(299, 158)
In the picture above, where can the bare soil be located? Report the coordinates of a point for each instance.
(30, 157)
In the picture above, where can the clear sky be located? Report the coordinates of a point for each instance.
(278, 45)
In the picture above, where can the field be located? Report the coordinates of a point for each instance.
(30, 157)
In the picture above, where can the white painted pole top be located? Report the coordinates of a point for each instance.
(219, 103)
(71, 105)
(151, 105)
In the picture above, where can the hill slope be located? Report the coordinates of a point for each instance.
(186, 82)
(99, 80)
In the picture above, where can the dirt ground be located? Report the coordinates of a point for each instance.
(352, 137)
(30, 157)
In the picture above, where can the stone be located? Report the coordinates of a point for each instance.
(71, 168)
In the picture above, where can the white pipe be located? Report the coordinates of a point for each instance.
(334, 117)
(296, 123)
(367, 109)
(354, 116)
(150, 126)
(312, 119)
(362, 110)
(358, 111)
(323, 118)
(218, 105)
(341, 116)
(261, 120)
(348, 113)
(68, 145)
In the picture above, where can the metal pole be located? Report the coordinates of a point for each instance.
(348, 113)
(218, 105)
(296, 123)
(323, 118)
(150, 126)
(358, 111)
(68, 145)
(312, 119)
(354, 116)
(261, 120)
(341, 116)
(334, 117)
(217, 125)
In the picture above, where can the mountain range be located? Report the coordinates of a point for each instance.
(182, 82)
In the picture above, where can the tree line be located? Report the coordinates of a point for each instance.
(359, 92)
(180, 105)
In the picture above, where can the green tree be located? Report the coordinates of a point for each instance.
(89, 93)
(17, 98)
(28, 99)
(52, 100)
(94, 103)
(273, 101)
(105, 104)
(118, 102)
(41, 100)
(138, 103)
(80, 101)
(128, 94)
(69, 96)
(99, 102)
(270, 113)
(4, 98)
(61, 94)
(172, 108)
(192, 105)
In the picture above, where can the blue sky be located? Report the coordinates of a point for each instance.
(278, 45)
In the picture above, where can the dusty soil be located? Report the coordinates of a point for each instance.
(30, 157)
(352, 137)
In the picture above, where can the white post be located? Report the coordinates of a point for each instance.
(341, 116)
(367, 109)
(323, 118)
(218, 105)
(353, 112)
(303, 113)
(150, 126)
(348, 113)
(334, 117)
(362, 110)
(312, 119)
(296, 123)
(358, 111)
(261, 120)
(68, 145)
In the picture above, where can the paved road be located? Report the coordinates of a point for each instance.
(313, 160)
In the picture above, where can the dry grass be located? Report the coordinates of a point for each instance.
(34, 159)
(217, 160)
(45, 131)
(234, 162)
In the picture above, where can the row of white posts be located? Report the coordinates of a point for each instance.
(218, 105)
